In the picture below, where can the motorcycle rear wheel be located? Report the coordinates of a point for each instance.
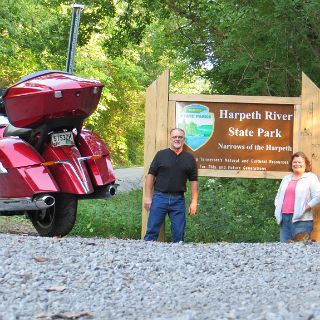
(58, 220)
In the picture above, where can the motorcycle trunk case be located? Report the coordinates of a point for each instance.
(50, 96)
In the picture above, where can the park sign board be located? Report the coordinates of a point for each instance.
(238, 136)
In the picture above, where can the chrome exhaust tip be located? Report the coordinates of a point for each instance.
(44, 201)
(112, 190)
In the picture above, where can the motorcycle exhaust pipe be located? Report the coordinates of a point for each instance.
(39, 202)
(111, 190)
(105, 192)
(44, 201)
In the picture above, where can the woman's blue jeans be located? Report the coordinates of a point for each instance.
(288, 229)
(174, 205)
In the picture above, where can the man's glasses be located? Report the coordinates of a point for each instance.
(177, 137)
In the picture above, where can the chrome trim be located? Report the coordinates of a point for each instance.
(85, 158)
(58, 94)
(2, 168)
(84, 182)
(95, 90)
(80, 160)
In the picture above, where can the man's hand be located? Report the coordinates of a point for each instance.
(194, 198)
(148, 191)
(147, 203)
(193, 208)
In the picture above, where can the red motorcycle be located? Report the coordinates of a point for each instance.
(47, 161)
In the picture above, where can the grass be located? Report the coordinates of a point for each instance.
(118, 217)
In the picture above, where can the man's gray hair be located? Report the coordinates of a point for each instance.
(177, 129)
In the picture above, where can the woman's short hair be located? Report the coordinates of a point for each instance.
(303, 156)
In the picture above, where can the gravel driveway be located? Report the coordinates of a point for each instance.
(75, 278)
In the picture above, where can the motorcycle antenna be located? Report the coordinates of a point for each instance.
(73, 38)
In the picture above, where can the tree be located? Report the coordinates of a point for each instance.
(32, 37)
(241, 47)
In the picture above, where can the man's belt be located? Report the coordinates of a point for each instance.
(180, 193)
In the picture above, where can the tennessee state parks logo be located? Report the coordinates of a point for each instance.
(198, 124)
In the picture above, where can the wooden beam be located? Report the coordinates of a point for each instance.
(234, 99)
(156, 131)
(149, 142)
(162, 130)
(310, 135)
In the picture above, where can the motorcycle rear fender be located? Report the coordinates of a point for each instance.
(68, 169)
(21, 171)
(101, 170)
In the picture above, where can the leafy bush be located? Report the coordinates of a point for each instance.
(234, 210)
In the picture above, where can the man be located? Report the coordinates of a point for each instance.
(168, 174)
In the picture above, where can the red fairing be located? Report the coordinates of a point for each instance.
(101, 170)
(25, 175)
(51, 96)
(73, 178)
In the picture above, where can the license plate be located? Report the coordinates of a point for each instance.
(62, 139)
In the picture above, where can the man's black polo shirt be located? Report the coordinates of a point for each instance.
(172, 170)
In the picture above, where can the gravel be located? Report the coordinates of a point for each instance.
(77, 278)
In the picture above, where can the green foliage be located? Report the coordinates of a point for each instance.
(267, 48)
(241, 47)
(234, 210)
(32, 37)
(119, 118)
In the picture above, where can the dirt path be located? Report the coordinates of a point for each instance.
(129, 178)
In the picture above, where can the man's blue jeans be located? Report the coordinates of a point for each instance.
(163, 203)
(288, 229)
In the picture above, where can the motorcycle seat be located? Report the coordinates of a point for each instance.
(23, 133)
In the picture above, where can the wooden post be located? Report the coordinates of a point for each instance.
(156, 131)
(310, 135)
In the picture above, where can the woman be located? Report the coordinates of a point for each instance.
(298, 194)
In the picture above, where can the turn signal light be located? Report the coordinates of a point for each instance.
(48, 163)
(96, 157)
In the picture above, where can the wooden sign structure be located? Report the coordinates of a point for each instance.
(250, 124)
